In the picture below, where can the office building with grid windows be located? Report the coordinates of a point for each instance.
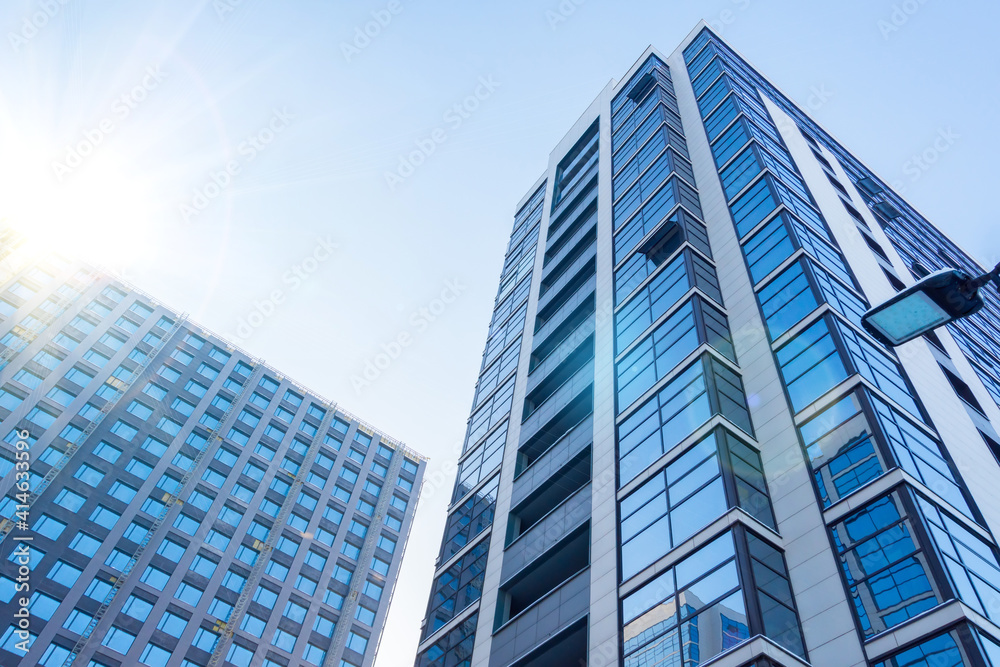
(183, 503)
(683, 448)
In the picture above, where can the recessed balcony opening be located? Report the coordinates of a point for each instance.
(553, 492)
(567, 649)
(549, 571)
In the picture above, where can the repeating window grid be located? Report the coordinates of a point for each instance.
(153, 475)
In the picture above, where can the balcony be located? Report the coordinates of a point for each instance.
(587, 198)
(551, 331)
(579, 438)
(566, 285)
(553, 633)
(583, 227)
(556, 417)
(543, 575)
(549, 377)
(540, 367)
(548, 531)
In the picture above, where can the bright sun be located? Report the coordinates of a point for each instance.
(98, 211)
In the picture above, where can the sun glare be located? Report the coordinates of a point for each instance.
(96, 210)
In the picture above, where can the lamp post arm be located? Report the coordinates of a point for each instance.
(974, 284)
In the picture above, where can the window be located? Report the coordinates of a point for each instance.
(386, 544)
(170, 550)
(109, 453)
(334, 599)
(970, 561)
(253, 625)
(155, 447)
(88, 475)
(283, 640)
(195, 388)
(155, 577)
(239, 655)
(85, 544)
(940, 650)
(64, 573)
(234, 581)
(189, 593)
(349, 474)
(206, 640)
(70, 500)
(265, 596)
(105, 517)
(98, 590)
(481, 462)
(123, 492)
(118, 639)
(812, 364)
(365, 615)
(298, 522)
(456, 588)
(60, 396)
(380, 566)
(350, 550)
(49, 527)
(315, 559)
(154, 655)
(887, 572)
(704, 588)
(208, 371)
(372, 590)
(660, 294)
(491, 413)
(668, 344)
(450, 645)
(117, 560)
(217, 539)
(220, 609)
(137, 608)
(678, 409)
(343, 574)
(357, 642)
(253, 472)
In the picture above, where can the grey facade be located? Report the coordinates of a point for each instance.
(183, 503)
(683, 448)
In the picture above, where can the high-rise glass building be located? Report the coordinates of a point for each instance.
(169, 500)
(683, 448)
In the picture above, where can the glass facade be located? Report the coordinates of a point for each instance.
(892, 551)
(715, 399)
(710, 602)
(184, 499)
(458, 581)
(658, 327)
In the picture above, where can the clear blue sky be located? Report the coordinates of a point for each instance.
(202, 86)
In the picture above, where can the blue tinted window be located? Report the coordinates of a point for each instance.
(660, 295)
(668, 509)
(841, 448)
(810, 365)
(664, 617)
(676, 411)
(457, 587)
(886, 572)
(786, 300)
(940, 651)
(971, 562)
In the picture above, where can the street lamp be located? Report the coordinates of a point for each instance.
(940, 298)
